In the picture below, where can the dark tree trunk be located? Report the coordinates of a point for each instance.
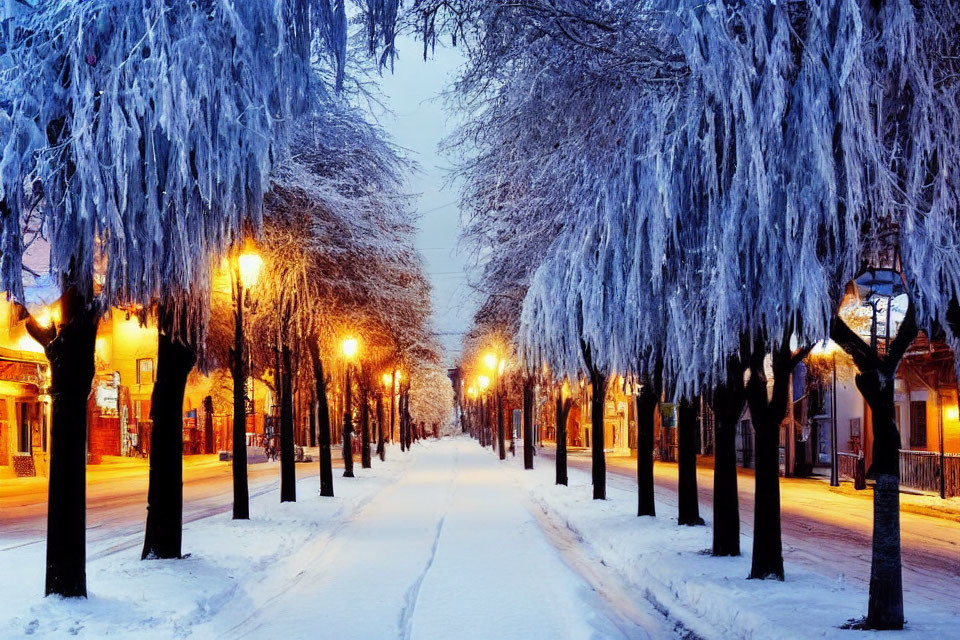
(647, 401)
(599, 382)
(402, 421)
(563, 411)
(348, 426)
(288, 472)
(501, 434)
(727, 402)
(323, 420)
(241, 491)
(175, 360)
(767, 545)
(70, 350)
(767, 414)
(381, 448)
(687, 496)
(365, 427)
(528, 423)
(876, 383)
(726, 499)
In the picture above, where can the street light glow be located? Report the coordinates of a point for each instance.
(491, 361)
(387, 380)
(483, 382)
(249, 263)
(350, 347)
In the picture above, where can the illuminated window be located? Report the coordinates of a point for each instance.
(145, 371)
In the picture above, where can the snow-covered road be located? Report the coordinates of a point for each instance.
(448, 550)
(444, 542)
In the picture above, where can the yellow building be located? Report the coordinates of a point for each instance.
(24, 403)
(118, 409)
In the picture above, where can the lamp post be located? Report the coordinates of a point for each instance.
(350, 346)
(483, 383)
(472, 394)
(495, 366)
(381, 446)
(245, 271)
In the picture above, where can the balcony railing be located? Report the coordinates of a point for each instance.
(921, 470)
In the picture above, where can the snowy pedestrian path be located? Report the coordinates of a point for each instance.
(449, 550)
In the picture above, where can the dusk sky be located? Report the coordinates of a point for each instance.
(419, 122)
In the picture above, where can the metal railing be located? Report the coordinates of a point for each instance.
(922, 469)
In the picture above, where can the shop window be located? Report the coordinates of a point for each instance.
(145, 371)
(918, 424)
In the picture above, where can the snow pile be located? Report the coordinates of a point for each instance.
(671, 567)
(234, 567)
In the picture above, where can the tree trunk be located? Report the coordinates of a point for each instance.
(241, 492)
(885, 605)
(563, 412)
(323, 420)
(599, 382)
(381, 448)
(365, 427)
(288, 472)
(348, 426)
(726, 499)
(402, 421)
(175, 360)
(528, 422)
(767, 414)
(767, 558)
(71, 356)
(647, 401)
(687, 496)
(726, 402)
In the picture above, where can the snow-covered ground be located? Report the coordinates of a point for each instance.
(711, 596)
(436, 544)
(445, 542)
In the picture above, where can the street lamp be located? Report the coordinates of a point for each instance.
(381, 448)
(483, 383)
(496, 366)
(244, 272)
(350, 347)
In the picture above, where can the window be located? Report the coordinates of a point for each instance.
(918, 424)
(145, 371)
(25, 424)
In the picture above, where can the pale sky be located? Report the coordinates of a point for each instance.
(418, 122)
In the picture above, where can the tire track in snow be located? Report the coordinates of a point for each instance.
(405, 625)
(413, 593)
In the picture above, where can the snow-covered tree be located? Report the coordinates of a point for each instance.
(148, 132)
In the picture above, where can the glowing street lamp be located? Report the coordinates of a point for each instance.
(249, 265)
(483, 382)
(496, 366)
(350, 347)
